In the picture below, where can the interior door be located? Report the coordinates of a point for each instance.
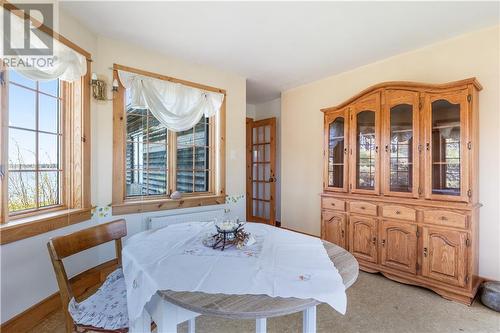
(261, 164)
(401, 140)
(364, 149)
(363, 238)
(336, 148)
(398, 242)
(446, 152)
(444, 256)
(334, 227)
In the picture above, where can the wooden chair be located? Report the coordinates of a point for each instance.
(65, 246)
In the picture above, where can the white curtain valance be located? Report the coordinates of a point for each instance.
(175, 105)
(65, 63)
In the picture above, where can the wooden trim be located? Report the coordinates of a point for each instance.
(4, 122)
(406, 84)
(221, 172)
(133, 207)
(80, 284)
(249, 186)
(167, 78)
(119, 146)
(29, 227)
(10, 7)
(86, 140)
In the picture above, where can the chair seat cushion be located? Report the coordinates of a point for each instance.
(106, 308)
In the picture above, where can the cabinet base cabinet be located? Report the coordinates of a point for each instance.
(461, 295)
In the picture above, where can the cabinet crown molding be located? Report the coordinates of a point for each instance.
(418, 86)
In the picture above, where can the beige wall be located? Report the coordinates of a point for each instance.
(474, 54)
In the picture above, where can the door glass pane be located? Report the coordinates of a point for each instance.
(445, 148)
(365, 145)
(401, 148)
(336, 153)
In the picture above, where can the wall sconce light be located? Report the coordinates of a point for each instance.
(115, 85)
(98, 88)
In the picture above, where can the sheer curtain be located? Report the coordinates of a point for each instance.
(65, 63)
(175, 105)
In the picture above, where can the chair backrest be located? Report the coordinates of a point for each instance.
(64, 246)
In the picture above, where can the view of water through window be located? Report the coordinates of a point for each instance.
(35, 135)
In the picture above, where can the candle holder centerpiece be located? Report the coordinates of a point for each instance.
(229, 233)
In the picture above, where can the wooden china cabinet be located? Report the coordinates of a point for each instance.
(400, 188)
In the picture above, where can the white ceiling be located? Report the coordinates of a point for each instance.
(280, 45)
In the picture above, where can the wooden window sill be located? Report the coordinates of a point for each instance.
(131, 207)
(38, 224)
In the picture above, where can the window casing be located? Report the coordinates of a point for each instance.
(44, 150)
(151, 162)
(35, 171)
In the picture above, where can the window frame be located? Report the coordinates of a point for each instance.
(75, 202)
(29, 226)
(62, 138)
(122, 204)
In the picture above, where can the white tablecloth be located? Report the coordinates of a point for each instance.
(281, 263)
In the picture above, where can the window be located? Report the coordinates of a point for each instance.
(34, 140)
(193, 158)
(151, 162)
(146, 156)
(45, 149)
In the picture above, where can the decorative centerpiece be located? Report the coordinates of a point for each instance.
(229, 233)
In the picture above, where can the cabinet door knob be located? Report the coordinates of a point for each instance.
(386, 148)
(383, 242)
(374, 240)
(342, 233)
(363, 207)
(345, 151)
(427, 146)
(443, 218)
(425, 252)
(398, 212)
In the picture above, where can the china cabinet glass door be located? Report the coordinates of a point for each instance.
(336, 149)
(446, 147)
(401, 143)
(365, 153)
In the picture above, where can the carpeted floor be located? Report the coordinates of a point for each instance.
(375, 304)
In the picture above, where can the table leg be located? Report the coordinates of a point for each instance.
(141, 324)
(261, 325)
(192, 325)
(309, 320)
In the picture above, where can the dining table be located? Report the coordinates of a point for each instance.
(168, 308)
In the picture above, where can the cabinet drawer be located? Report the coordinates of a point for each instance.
(332, 203)
(361, 207)
(399, 212)
(447, 218)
